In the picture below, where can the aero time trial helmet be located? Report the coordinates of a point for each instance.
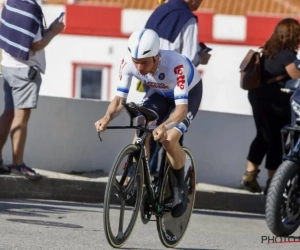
(143, 43)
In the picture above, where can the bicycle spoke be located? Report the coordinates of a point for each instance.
(118, 185)
(121, 220)
(119, 194)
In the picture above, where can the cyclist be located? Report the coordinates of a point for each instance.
(177, 18)
(174, 83)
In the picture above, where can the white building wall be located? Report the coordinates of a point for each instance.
(220, 77)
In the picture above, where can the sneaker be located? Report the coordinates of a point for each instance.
(180, 201)
(249, 182)
(267, 186)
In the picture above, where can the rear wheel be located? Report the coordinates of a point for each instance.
(171, 230)
(123, 197)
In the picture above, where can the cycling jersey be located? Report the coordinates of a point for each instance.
(174, 77)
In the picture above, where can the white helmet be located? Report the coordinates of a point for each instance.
(143, 43)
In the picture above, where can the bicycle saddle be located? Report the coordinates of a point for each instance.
(149, 114)
(133, 113)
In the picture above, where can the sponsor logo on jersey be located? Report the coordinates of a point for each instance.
(180, 76)
(161, 76)
(121, 68)
(156, 85)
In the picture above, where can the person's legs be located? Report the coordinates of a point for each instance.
(279, 115)
(18, 135)
(153, 156)
(258, 147)
(25, 93)
(176, 154)
(5, 123)
(160, 105)
(154, 148)
(181, 141)
(176, 157)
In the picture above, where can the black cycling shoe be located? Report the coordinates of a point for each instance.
(180, 201)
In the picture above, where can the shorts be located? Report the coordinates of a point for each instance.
(163, 106)
(19, 91)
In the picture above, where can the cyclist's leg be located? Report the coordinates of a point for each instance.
(181, 141)
(158, 104)
(153, 156)
(154, 149)
(181, 138)
(176, 154)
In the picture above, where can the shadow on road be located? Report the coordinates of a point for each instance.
(230, 214)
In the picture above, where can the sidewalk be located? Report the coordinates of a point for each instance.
(91, 188)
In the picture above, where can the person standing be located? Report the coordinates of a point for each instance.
(271, 107)
(23, 38)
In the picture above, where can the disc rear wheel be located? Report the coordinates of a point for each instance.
(171, 230)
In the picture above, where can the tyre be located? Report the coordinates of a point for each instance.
(171, 230)
(283, 200)
(124, 194)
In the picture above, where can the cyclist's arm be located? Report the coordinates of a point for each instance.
(116, 107)
(180, 96)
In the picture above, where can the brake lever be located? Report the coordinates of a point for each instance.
(99, 136)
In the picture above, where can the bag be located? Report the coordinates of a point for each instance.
(251, 69)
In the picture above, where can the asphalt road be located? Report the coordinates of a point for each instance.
(41, 224)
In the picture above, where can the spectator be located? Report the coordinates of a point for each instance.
(22, 39)
(177, 28)
(271, 107)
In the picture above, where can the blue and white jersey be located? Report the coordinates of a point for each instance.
(174, 77)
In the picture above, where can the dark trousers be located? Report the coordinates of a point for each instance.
(271, 112)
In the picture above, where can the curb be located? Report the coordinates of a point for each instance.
(77, 190)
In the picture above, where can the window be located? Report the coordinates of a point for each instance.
(91, 81)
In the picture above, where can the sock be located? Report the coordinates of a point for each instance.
(179, 174)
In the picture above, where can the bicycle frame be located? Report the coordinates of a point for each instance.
(140, 143)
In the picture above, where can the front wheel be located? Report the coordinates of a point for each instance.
(283, 200)
(123, 194)
(171, 230)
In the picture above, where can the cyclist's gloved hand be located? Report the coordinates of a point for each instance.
(160, 133)
(101, 124)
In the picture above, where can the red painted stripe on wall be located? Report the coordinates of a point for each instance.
(105, 21)
(93, 20)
